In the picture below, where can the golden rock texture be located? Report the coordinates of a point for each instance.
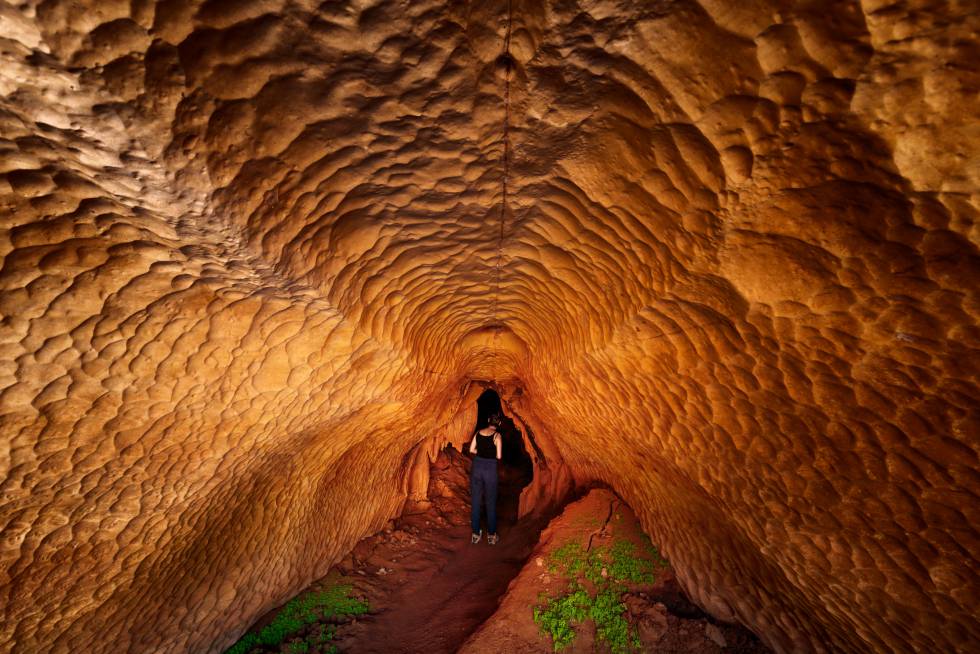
(259, 257)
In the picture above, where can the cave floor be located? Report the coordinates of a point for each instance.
(430, 590)
(428, 587)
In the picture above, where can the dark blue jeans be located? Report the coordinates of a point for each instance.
(483, 486)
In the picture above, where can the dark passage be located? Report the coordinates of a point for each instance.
(517, 466)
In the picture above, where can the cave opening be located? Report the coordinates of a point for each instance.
(514, 454)
(486, 405)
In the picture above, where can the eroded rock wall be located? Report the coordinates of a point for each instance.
(722, 256)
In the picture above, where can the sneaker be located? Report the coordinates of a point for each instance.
(475, 538)
(492, 539)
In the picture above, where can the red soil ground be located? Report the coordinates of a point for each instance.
(440, 587)
(430, 590)
(664, 619)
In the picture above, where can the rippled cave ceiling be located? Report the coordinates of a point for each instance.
(260, 257)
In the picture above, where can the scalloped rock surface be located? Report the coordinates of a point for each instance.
(258, 257)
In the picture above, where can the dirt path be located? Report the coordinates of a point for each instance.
(429, 588)
(431, 591)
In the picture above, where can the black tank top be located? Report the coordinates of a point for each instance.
(485, 449)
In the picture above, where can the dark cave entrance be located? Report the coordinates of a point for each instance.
(514, 453)
(487, 404)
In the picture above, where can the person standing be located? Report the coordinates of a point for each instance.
(487, 445)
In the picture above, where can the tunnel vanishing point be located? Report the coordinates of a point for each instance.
(260, 257)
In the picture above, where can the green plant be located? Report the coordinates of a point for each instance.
(625, 565)
(557, 617)
(608, 568)
(565, 556)
(621, 561)
(571, 560)
(608, 613)
(299, 613)
(325, 634)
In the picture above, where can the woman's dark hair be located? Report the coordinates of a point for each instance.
(495, 419)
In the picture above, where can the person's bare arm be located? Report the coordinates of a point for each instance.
(500, 445)
(473, 445)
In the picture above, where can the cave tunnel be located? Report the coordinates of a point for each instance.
(717, 263)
